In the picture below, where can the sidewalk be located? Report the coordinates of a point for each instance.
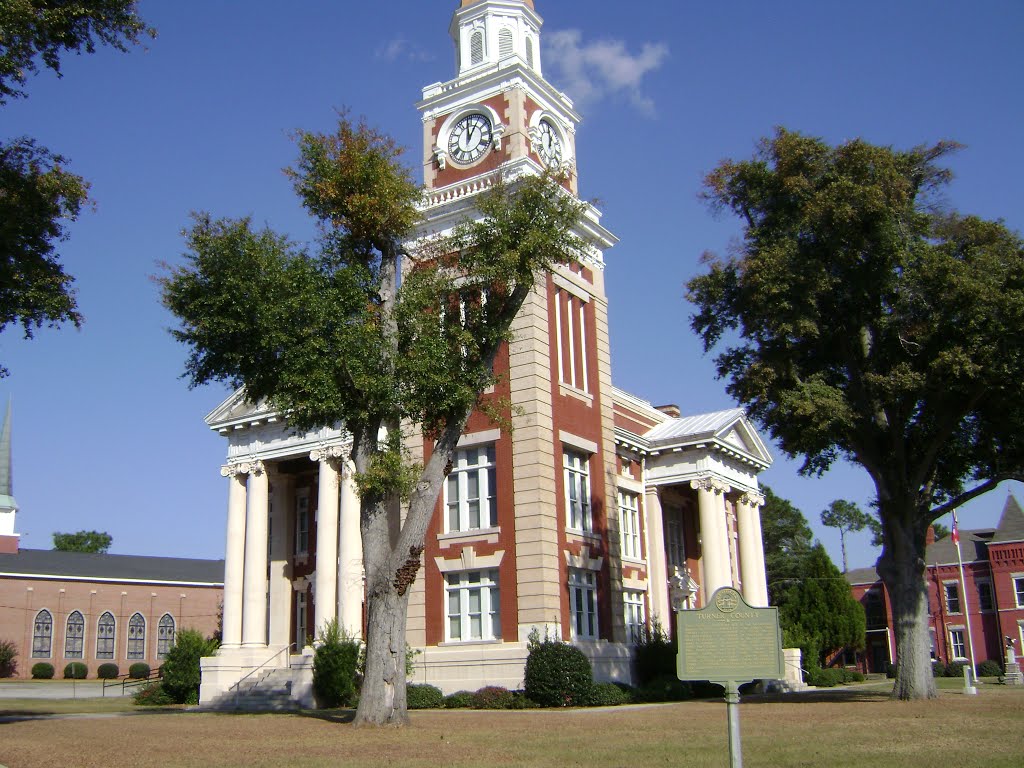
(58, 689)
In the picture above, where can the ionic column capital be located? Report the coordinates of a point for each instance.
(330, 453)
(752, 499)
(250, 467)
(711, 484)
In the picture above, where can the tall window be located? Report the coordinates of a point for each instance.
(164, 635)
(635, 620)
(529, 52)
(476, 48)
(956, 643)
(474, 611)
(583, 603)
(629, 514)
(577, 491)
(985, 600)
(74, 636)
(106, 629)
(505, 45)
(675, 544)
(136, 637)
(301, 624)
(571, 328)
(874, 609)
(42, 635)
(952, 591)
(302, 525)
(471, 491)
(1018, 590)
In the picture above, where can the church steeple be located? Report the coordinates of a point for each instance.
(8, 506)
(496, 33)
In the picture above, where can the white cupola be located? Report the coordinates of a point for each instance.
(496, 33)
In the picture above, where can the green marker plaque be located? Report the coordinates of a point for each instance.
(729, 641)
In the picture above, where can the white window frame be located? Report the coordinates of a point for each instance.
(107, 641)
(461, 588)
(945, 597)
(578, 510)
(483, 470)
(955, 634)
(636, 615)
(136, 648)
(1017, 579)
(583, 611)
(165, 634)
(675, 537)
(629, 515)
(74, 643)
(301, 618)
(42, 635)
(986, 583)
(302, 515)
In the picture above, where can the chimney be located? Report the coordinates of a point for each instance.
(669, 410)
(929, 538)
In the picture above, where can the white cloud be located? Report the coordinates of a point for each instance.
(589, 72)
(400, 48)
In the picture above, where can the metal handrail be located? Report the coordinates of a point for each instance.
(237, 687)
(127, 680)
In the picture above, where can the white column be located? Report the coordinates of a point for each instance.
(325, 589)
(254, 590)
(714, 541)
(282, 531)
(350, 558)
(755, 582)
(234, 557)
(657, 568)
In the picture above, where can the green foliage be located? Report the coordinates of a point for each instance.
(655, 654)
(610, 695)
(787, 543)
(557, 674)
(956, 669)
(423, 696)
(181, 672)
(82, 541)
(666, 687)
(824, 678)
(8, 658)
(459, 700)
(938, 669)
(846, 517)
(493, 697)
(108, 671)
(334, 667)
(153, 695)
(76, 670)
(42, 671)
(990, 668)
(138, 671)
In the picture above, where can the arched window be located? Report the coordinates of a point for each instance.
(164, 635)
(74, 636)
(42, 635)
(529, 52)
(106, 629)
(136, 637)
(476, 48)
(505, 47)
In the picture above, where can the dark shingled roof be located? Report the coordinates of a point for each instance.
(862, 575)
(85, 565)
(1011, 524)
(972, 547)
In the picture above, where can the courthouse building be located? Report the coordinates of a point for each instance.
(598, 514)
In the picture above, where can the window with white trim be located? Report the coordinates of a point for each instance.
(301, 624)
(571, 338)
(74, 636)
(473, 606)
(476, 48)
(985, 598)
(675, 542)
(302, 524)
(956, 644)
(164, 635)
(505, 43)
(577, 491)
(952, 592)
(471, 490)
(529, 52)
(136, 637)
(635, 615)
(42, 635)
(106, 631)
(931, 641)
(629, 514)
(583, 603)
(1018, 590)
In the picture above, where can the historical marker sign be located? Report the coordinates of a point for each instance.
(729, 641)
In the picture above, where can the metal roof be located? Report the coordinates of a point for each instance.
(1011, 524)
(37, 563)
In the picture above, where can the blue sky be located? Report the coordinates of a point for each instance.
(106, 434)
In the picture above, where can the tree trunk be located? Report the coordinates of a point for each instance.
(902, 568)
(382, 700)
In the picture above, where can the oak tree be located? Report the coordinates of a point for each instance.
(96, 542)
(862, 321)
(394, 342)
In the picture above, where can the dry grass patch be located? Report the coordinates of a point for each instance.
(840, 729)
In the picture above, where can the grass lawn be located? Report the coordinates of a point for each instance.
(66, 706)
(844, 728)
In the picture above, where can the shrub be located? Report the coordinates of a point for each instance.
(825, 678)
(423, 696)
(938, 669)
(152, 695)
(853, 676)
(107, 671)
(655, 654)
(8, 654)
(990, 668)
(181, 667)
(557, 674)
(459, 700)
(76, 670)
(42, 671)
(609, 695)
(665, 688)
(521, 701)
(956, 669)
(493, 697)
(334, 668)
(139, 670)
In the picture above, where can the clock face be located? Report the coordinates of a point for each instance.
(470, 139)
(549, 145)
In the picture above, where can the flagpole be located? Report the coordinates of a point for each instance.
(963, 588)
